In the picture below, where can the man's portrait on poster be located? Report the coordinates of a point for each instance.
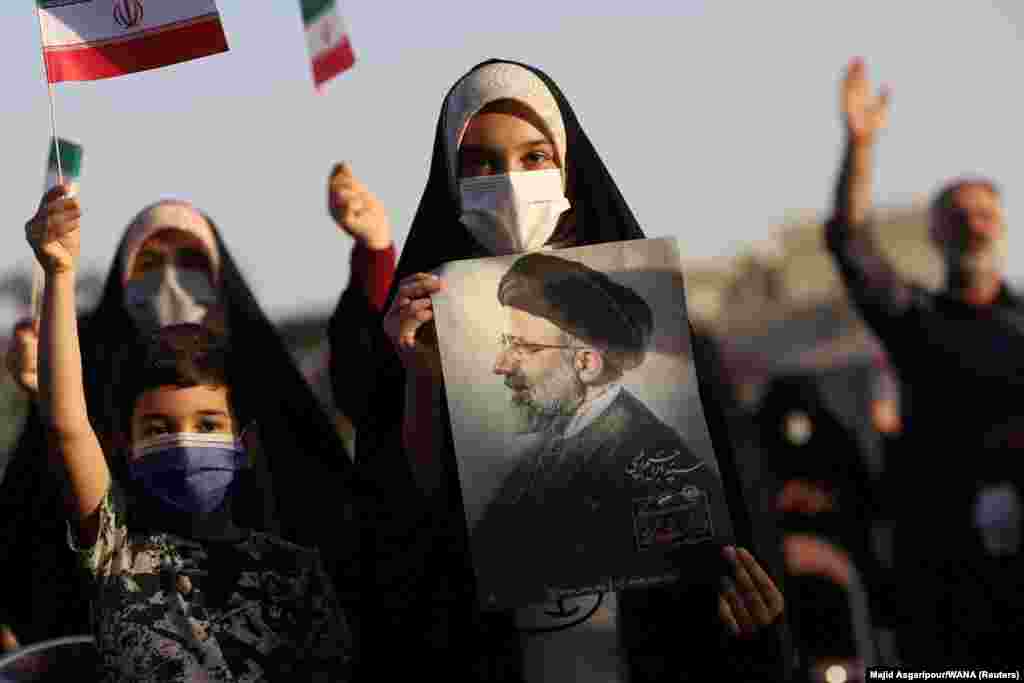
(605, 478)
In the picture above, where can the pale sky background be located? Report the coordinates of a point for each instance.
(717, 119)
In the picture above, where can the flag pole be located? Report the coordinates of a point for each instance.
(37, 272)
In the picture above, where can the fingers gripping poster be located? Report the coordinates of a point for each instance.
(583, 453)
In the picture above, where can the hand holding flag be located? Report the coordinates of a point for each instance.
(356, 210)
(63, 167)
(53, 232)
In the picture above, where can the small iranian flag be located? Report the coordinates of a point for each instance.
(327, 38)
(84, 40)
(70, 162)
(70, 155)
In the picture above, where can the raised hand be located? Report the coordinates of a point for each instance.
(865, 113)
(356, 210)
(53, 233)
(8, 641)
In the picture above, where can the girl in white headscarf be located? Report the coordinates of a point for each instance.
(512, 171)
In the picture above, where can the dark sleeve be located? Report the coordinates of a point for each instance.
(358, 345)
(358, 353)
(904, 317)
(720, 413)
(43, 597)
(418, 586)
(46, 600)
(881, 295)
(23, 481)
(748, 489)
(749, 486)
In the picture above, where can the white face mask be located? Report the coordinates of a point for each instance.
(997, 515)
(169, 296)
(513, 212)
(798, 428)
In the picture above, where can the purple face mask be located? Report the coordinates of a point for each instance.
(188, 472)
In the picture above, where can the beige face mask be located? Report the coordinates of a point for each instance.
(513, 213)
(169, 296)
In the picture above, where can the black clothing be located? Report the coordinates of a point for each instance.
(552, 288)
(830, 457)
(961, 369)
(419, 585)
(575, 498)
(301, 450)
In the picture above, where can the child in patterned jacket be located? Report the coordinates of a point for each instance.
(181, 593)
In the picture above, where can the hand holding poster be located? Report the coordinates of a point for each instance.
(85, 40)
(583, 454)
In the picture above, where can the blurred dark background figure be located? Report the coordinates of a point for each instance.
(959, 353)
(822, 489)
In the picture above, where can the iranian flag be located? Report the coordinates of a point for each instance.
(327, 38)
(70, 162)
(84, 40)
(70, 155)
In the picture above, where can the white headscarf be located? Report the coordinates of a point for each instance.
(493, 82)
(165, 215)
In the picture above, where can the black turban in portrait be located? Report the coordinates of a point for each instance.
(583, 302)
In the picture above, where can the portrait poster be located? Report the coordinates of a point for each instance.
(583, 453)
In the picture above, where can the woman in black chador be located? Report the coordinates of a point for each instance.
(823, 489)
(512, 171)
(171, 267)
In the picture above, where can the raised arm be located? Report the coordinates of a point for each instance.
(354, 330)
(865, 116)
(359, 212)
(54, 235)
(870, 279)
